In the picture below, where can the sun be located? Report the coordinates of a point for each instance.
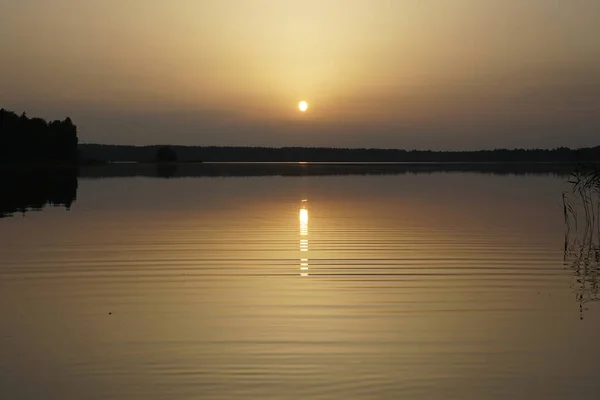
(303, 106)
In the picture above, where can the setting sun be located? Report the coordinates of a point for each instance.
(303, 106)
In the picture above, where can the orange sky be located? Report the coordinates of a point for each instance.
(376, 73)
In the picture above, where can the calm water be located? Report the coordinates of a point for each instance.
(416, 286)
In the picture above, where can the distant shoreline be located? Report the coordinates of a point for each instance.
(246, 168)
(119, 153)
(122, 161)
(86, 164)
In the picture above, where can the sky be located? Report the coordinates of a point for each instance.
(415, 74)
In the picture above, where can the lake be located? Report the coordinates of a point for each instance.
(436, 285)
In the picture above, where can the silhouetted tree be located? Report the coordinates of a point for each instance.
(24, 139)
(166, 154)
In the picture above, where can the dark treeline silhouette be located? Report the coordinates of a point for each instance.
(166, 154)
(27, 140)
(117, 153)
(28, 189)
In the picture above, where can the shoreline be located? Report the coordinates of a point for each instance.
(250, 169)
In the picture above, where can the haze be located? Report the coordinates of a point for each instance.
(448, 74)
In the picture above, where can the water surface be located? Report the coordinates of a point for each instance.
(421, 286)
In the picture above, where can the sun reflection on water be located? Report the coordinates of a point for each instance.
(304, 238)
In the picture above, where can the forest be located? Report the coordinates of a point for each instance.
(34, 140)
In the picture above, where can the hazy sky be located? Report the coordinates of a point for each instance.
(443, 74)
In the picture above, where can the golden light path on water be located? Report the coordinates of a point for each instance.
(304, 238)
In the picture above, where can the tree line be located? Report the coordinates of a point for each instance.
(24, 139)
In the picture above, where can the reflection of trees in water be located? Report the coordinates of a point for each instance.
(581, 209)
(34, 188)
(166, 170)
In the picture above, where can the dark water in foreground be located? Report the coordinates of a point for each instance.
(429, 286)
